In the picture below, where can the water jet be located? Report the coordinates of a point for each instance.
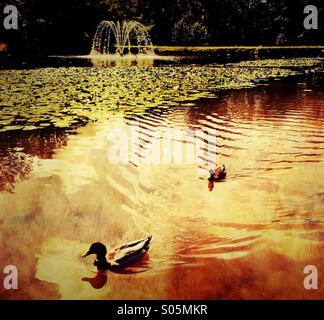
(126, 39)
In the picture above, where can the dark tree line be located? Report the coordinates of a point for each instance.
(67, 26)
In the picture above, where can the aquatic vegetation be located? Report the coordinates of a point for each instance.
(282, 63)
(71, 97)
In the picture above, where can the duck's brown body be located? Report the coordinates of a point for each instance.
(129, 253)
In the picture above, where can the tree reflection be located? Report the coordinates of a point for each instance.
(17, 150)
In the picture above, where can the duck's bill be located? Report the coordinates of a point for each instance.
(87, 254)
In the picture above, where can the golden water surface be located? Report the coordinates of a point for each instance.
(249, 238)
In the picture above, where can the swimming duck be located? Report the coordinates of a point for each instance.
(217, 174)
(120, 257)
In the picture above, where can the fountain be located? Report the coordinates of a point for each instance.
(127, 39)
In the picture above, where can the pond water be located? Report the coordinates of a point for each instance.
(251, 237)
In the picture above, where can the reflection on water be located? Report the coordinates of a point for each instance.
(99, 281)
(140, 60)
(18, 149)
(249, 238)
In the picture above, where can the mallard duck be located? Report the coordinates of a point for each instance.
(120, 257)
(217, 174)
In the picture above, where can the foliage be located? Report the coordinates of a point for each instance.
(67, 26)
